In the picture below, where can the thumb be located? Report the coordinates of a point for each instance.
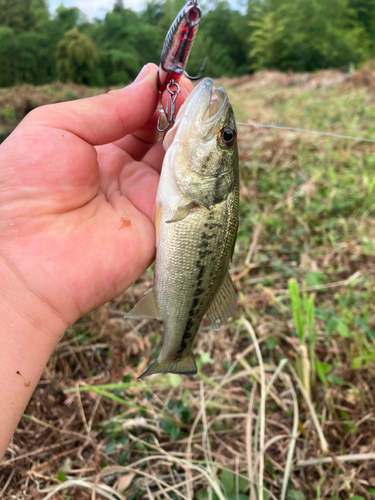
(105, 118)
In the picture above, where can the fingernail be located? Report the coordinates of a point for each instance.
(143, 73)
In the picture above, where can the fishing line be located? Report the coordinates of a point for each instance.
(306, 131)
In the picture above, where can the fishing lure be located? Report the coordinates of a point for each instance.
(176, 49)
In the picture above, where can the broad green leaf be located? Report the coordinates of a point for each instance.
(293, 494)
(243, 484)
(228, 480)
(201, 494)
(110, 448)
(357, 362)
(205, 357)
(343, 330)
(175, 380)
(322, 370)
(315, 278)
(61, 477)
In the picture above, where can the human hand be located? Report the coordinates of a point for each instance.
(70, 175)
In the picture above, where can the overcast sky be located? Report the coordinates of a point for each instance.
(99, 8)
(94, 8)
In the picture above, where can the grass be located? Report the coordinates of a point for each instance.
(16, 102)
(283, 404)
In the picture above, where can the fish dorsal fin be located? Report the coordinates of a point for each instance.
(145, 308)
(224, 304)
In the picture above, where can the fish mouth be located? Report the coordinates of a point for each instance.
(203, 112)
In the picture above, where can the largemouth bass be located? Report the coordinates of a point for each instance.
(196, 220)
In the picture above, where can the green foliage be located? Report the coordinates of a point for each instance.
(294, 494)
(222, 37)
(23, 15)
(304, 35)
(8, 51)
(301, 35)
(118, 6)
(36, 63)
(76, 57)
(118, 66)
(268, 33)
(124, 45)
(8, 114)
(303, 314)
(61, 477)
(68, 17)
(234, 487)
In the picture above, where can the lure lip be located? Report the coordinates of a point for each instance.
(201, 112)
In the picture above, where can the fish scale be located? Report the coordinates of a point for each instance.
(179, 283)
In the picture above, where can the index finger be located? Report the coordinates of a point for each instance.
(107, 117)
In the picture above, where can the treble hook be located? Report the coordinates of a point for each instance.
(170, 114)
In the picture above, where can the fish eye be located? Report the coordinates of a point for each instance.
(228, 136)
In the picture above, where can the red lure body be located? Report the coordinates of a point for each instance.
(178, 44)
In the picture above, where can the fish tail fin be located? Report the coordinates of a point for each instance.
(181, 366)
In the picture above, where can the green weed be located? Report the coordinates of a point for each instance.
(8, 114)
(303, 315)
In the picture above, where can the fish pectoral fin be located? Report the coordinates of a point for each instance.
(145, 308)
(183, 366)
(181, 213)
(224, 304)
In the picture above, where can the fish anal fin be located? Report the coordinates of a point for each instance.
(183, 366)
(224, 304)
(145, 308)
(181, 213)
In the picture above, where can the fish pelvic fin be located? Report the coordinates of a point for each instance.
(181, 366)
(145, 308)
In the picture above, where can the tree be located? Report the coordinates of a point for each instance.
(68, 17)
(266, 38)
(76, 57)
(305, 35)
(365, 14)
(152, 13)
(118, 67)
(23, 15)
(8, 51)
(222, 37)
(35, 60)
(118, 6)
(125, 43)
(39, 14)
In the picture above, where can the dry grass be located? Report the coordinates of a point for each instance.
(245, 422)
